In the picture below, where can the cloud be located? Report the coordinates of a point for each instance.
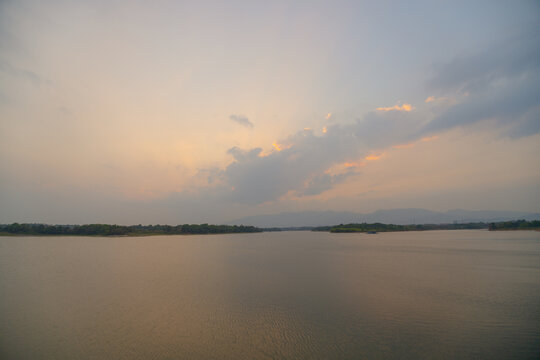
(373, 157)
(429, 138)
(504, 92)
(244, 155)
(322, 182)
(300, 163)
(435, 99)
(242, 120)
(508, 58)
(276, 146)
(499, 84)
(397, 107)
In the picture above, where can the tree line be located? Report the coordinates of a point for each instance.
(515, 225)
(380, 227)
(118, 230)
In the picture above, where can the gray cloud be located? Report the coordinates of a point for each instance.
(509, 58)
(301, 166)
(322, 182)
(500, 84)
(514, 105)
(242, 120)
(244, 155)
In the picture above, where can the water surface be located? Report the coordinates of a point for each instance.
(290, 295)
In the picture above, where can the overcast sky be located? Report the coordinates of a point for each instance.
(206, 111)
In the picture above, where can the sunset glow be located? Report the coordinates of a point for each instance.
(402, 107)
(181, 102)
(354, 164)
(429, 138)
(374, 157)
(186, 179)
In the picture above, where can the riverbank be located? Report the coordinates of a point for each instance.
(17, 229)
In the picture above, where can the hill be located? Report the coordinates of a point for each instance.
(392, 216)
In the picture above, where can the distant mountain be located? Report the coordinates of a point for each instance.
(393, 216)
(406, 216)
(297, 219)
(486, 215)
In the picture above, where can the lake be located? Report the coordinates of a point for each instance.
(463, 294)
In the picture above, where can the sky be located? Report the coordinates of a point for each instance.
(207, 111)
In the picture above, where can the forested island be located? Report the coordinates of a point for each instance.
(191, 229)
(515, 225)
(380, 227)
(120, 230)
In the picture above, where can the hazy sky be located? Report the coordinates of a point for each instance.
(206, 111)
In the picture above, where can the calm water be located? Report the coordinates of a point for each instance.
(291, 295)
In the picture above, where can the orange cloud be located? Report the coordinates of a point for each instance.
(374, 157)
(344, 168)
(402, 107)
(354, 164)
(410, 145)
(429, 138)
(324, 130)
(279, 147)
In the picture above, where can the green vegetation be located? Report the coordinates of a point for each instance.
(379, 227)
(515, 225)
(187, 229)
(119, 230)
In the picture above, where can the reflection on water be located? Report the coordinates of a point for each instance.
(417, 295)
